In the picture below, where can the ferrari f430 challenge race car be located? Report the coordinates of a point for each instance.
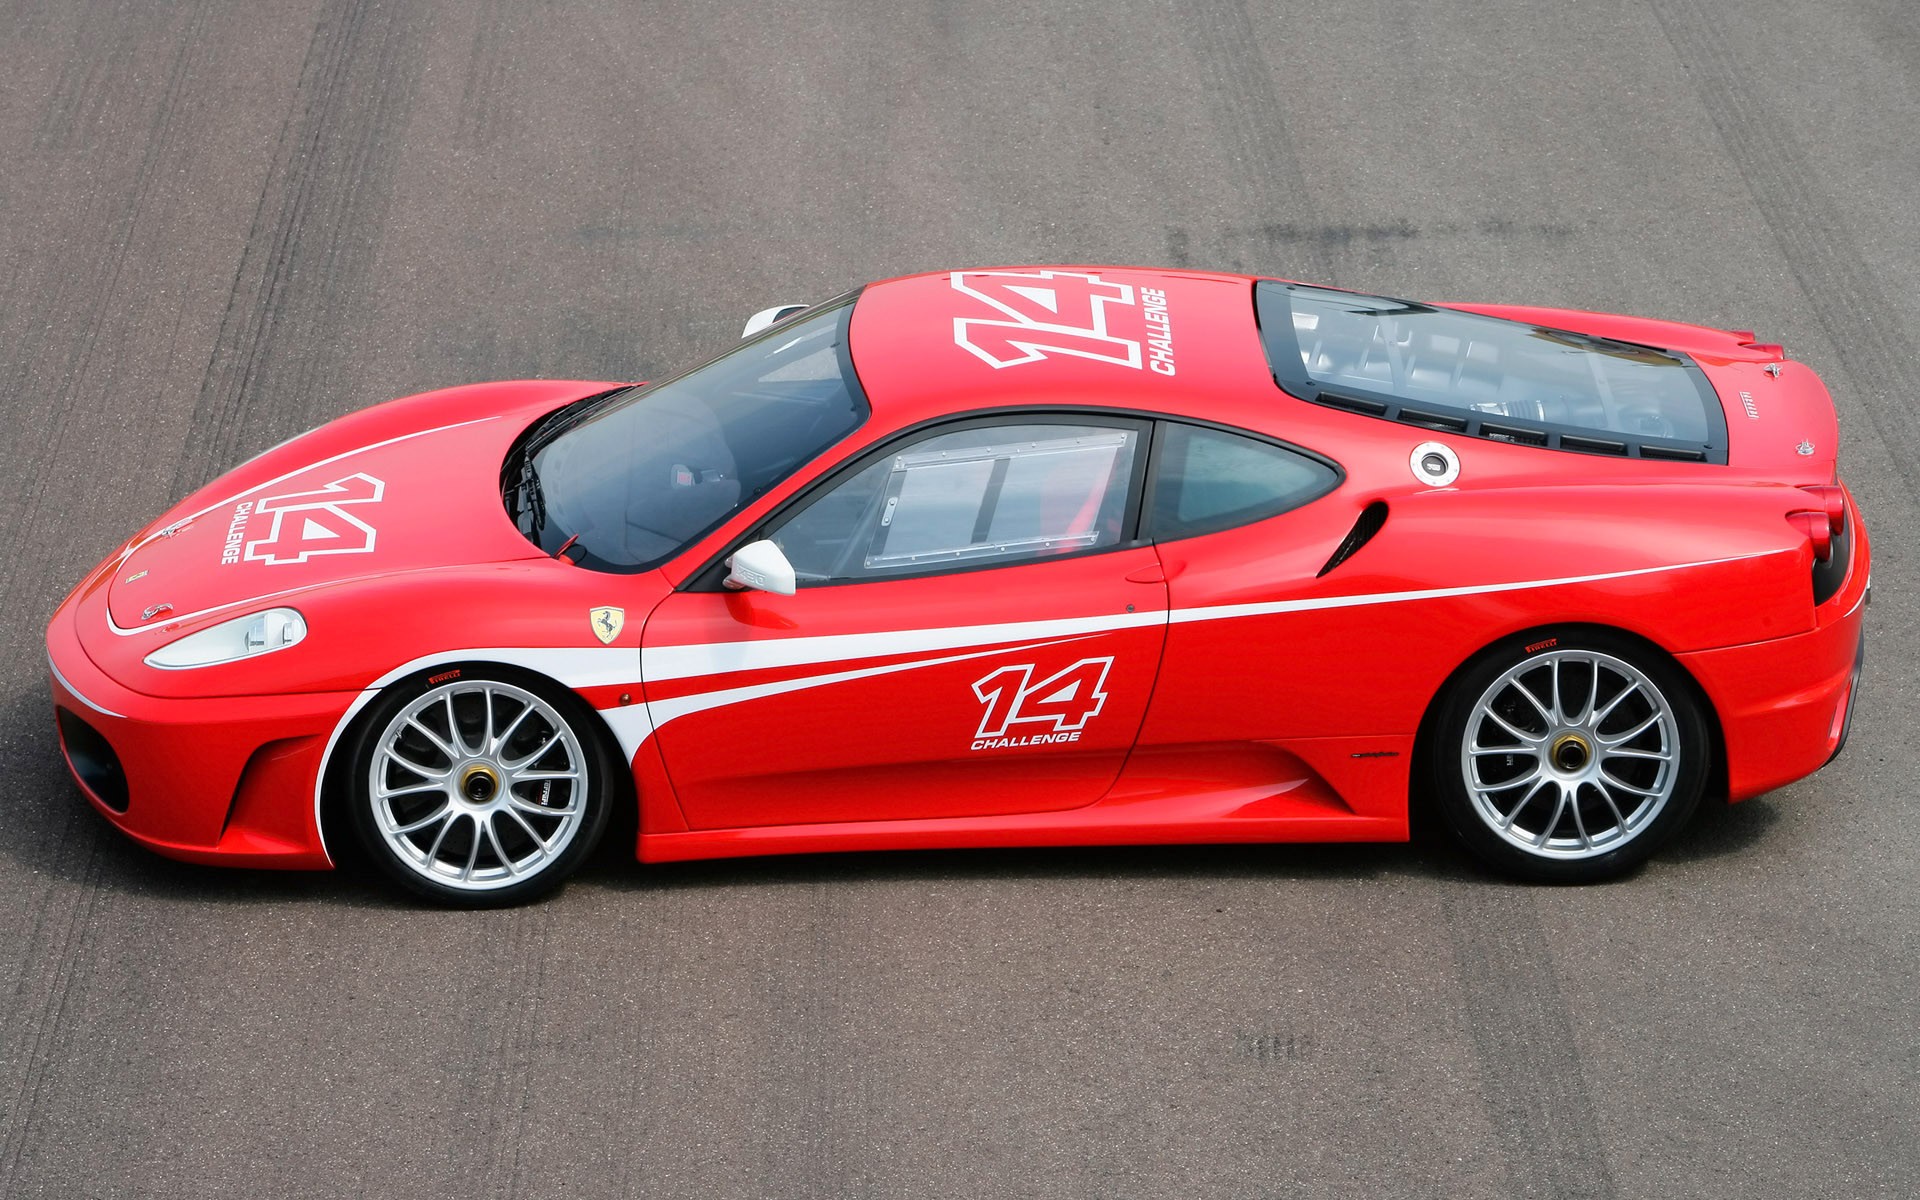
(1020, 556)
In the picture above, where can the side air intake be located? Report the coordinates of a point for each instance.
(1372, 517)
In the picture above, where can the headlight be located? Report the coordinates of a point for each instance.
(242, 637)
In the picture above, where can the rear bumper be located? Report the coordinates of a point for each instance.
(228, 780)
(1786, 706)
(1853, 691)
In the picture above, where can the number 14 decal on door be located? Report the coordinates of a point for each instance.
(1064, 701)
(1044, 313)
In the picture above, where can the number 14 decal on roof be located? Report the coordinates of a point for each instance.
(1048, 313)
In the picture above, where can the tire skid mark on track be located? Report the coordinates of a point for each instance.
(643, 1099)
(325, 1087)
(814, 1096)
(1844, 295)
(313, 239)
(1535, 1092)
(59, 935)
(57, 958)
(66, 356)
(649, 1028)
(1250, 122)
(487, 116)
(510, 1042)
(80, 96)
(92, 300)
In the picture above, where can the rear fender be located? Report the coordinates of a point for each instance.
(1682, 567)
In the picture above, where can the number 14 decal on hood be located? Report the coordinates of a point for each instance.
(1063, 701)
(307, 523)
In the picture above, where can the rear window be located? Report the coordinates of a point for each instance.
(1487, 377)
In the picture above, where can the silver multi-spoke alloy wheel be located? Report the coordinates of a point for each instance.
(477, 785)
(1570, 754)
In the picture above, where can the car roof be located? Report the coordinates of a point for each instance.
(1178, 342)
(1186, 344)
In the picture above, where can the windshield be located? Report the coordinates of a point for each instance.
(639, 477)
(1481, 375)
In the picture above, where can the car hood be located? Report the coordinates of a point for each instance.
(407, 486)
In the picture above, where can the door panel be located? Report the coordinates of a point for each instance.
(1010, 689)
(1236, 673)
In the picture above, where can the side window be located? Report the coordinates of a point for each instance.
(986, 494)
(1207, 480)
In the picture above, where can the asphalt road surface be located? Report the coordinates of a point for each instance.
(223, 223)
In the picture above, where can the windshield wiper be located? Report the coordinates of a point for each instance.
(566, 417)
(524, 493)
(527, 498)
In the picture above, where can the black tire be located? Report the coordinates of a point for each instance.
(1551, 796)
(501, 815)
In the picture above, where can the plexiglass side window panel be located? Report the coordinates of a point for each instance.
(1417, 355)
(988, 494)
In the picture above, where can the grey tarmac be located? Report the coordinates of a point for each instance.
(222, 223)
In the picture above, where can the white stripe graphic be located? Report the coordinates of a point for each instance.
(1224, 612)
(681, 706)
(633, 724)
(76, 692)
(720, 658)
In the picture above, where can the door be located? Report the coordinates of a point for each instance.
(976, 631)
(1249, 661)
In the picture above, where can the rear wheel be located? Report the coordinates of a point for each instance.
(479, 791)
(1571, 761)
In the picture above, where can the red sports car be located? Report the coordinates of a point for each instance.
(1000, 557)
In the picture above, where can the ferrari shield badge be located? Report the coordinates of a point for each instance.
(607, 623)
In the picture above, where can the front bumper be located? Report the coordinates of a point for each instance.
(228, 780)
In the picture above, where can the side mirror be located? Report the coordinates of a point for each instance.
(761, 566)
(766, 318)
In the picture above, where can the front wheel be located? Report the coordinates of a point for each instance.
(1569, 759)
(479, 791)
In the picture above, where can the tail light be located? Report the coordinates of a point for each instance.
(1834, 501)
(1818, 530)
